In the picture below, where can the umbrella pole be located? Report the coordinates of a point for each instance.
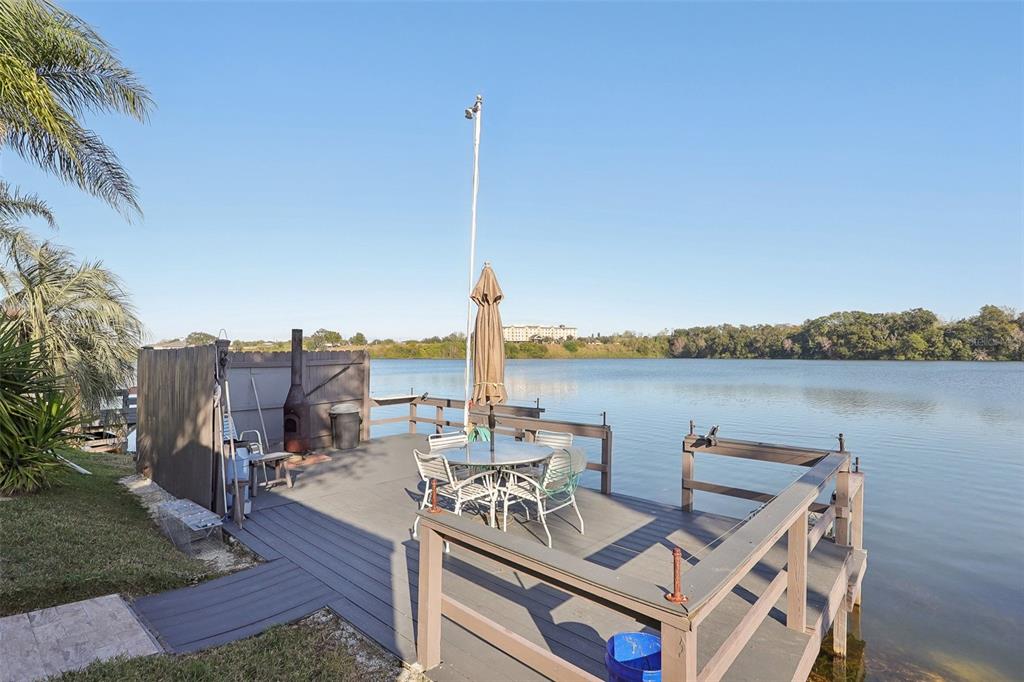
(473, 113)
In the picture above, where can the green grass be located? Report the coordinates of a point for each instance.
(310, 650)
(87, 536)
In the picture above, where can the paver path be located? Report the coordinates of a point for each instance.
(71, 636)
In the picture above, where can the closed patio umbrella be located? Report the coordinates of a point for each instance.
(488, 342)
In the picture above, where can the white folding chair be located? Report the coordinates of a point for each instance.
(461, 491)
(555, 489)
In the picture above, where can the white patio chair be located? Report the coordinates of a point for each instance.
(555, 489)
(448, 439)
(459, 490)
(553, 439)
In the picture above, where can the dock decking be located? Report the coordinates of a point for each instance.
(347, 524)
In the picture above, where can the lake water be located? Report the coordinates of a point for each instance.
(940, 443)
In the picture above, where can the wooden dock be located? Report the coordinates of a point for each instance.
(347, 525)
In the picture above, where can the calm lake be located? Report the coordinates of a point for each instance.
(941, 445)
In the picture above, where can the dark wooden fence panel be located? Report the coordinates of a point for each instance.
(176, 420)
(328, 377)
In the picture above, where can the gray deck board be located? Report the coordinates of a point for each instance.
(347, 525)
(232, 607)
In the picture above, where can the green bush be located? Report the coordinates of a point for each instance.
(35, 416)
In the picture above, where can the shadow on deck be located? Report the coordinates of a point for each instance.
(347, 523)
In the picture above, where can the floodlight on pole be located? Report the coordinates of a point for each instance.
(473, 113)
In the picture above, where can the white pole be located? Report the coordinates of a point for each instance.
(473, 113)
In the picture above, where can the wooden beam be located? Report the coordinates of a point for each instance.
(367, 406)
(606, 462)
(820, 527)
(765, 452)
(796, 571)
(516, 646)
(745, 494)
(615, 590)
(843, 506)
(687, 478)
(857, 514)
(412, 417)
(839, 633)
(388, 420)
(715, 668)
(428, 633)
(678, 654)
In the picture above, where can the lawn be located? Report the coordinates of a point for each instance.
(318, 648)
(84, 538)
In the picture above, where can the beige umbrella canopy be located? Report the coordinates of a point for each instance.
(488, 342)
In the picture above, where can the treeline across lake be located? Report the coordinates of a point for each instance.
(993, 334)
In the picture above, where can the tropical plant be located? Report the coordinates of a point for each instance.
(54, 69)
(36, 417)
(78, 312)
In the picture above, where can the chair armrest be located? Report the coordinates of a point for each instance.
(513, 475)
(466, 481)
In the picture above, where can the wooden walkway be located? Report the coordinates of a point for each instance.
(342, 536)
(233, 607)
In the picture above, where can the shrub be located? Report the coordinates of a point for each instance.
(35, 415)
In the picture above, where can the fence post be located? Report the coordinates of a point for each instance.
(678, 653)
(364, 430)
(796, 574)
(439, 415)
(412, 416)
(606, 460)
(688, 458)
(428, 636)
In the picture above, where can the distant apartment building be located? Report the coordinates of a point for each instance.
(535, 332)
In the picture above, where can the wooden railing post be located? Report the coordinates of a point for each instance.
(796, 574)
(412, 417)
(678, 653)
(606, 460)
(857, 513)
(688, 461)
(439, 416)
(843, 505)
(428, 634)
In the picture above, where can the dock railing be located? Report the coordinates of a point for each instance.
(520, 421)
(704, 584)
(635, 598)
(788, 513)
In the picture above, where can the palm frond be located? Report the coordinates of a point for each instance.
(53, 69)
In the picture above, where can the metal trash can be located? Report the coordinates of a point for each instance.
(345, 423)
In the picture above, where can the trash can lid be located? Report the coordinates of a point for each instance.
(344, 408)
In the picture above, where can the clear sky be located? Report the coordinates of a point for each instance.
(643, 166)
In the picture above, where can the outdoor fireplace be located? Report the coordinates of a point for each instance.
(296, 407)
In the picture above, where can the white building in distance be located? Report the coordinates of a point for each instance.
(535, 332)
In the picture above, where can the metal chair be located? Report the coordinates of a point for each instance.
(449, 439)
(555, 489)
(460, 490)
(553, 439)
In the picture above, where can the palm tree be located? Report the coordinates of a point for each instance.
(54, 68)
(79, 313)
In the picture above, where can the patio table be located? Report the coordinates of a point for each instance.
(506, 454)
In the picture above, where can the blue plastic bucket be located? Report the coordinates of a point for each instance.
(633, 657)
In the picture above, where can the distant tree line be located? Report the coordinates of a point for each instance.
(993, 334)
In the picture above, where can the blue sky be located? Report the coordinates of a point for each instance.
(643, 166)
